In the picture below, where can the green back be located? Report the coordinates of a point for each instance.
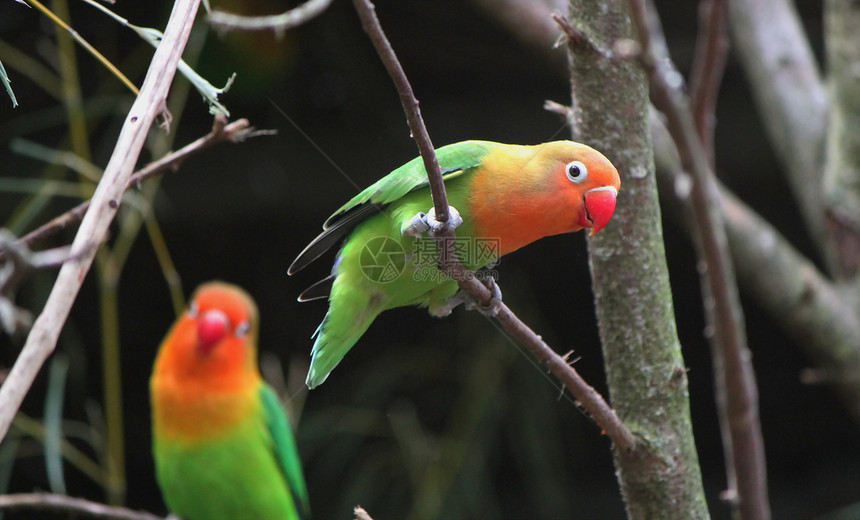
(453, 160)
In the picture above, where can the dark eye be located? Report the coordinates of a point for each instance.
(576, 172)
(242, 329)
(193, 310)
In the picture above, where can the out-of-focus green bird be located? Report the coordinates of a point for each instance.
(507, 195)
(222, 444)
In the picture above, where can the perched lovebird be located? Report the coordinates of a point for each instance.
(507, 196)
(222, 444)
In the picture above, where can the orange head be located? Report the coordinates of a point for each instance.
(523, 193)
(214, 341)
(589, 176)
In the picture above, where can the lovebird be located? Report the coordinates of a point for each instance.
(507, 197)
(223, 447)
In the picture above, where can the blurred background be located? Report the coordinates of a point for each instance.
(424, 418)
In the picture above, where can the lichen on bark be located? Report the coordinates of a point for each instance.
(645, 370)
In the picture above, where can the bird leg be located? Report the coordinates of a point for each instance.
(423, 222)
(490, 308)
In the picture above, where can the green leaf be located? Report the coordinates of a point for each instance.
(7, 83)
(153, 37)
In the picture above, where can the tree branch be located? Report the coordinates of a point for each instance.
(234, 132)
(737, 395)
(530, 21)
(148, 104)
(645, 371)
(708, 67)
(802, 301)
(788, 90)
(593, 403)
(842, 165)
(70, 506)
(370, 23)
(277, 23)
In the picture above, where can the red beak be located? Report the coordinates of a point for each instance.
(212, 326)
(599, 204)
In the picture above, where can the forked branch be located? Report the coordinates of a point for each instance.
(148, 104)
(737, 395)
(591, 401)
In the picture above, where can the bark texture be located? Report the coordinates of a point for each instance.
(660, 477)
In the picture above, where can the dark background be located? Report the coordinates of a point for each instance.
(424, 418)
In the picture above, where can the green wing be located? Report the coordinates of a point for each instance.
(284, 448)
(454, 160)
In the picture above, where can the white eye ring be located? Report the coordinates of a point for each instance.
(576, 172)
(242, 329)
(193, 310)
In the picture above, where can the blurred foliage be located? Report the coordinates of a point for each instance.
(424, 418)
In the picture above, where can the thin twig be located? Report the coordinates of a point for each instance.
(712, 46)
(70, 506)
(277, 23)
(737, 395)
(233, 132)
(801, 300)
(370, 23)
(86, 45)
(149, 103)
(591, 401)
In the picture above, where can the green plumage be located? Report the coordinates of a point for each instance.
(251, 472)
(378, 267)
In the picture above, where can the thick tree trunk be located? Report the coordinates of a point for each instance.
(647, 380)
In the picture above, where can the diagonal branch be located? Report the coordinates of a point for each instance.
(737, 395)
(221, 131)
(841, 194)
(531, 22)
(787, 285)
(708, 67)
(370, 23)
(148, 104)
(787, 87)
(591, 401)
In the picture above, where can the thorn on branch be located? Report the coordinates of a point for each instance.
(570, 34)
(551, 106)
(569, 361)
